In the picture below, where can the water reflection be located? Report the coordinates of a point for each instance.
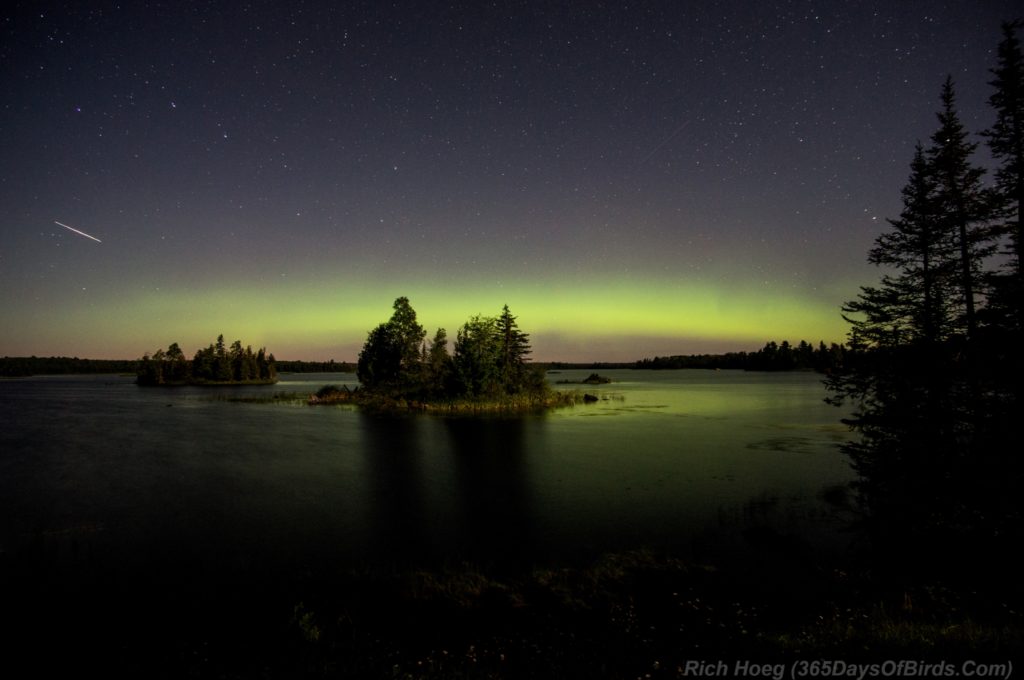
(397, 512)
(490, 461)
(446, 491)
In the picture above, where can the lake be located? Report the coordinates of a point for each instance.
(108, 487)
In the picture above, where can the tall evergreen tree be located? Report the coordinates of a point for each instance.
(222, 365)
(962, 203)
(235, 356)
(409, 334)
(271, 367)
(438, 363)
(514, 347)
(929, 420)
(265, 365)
(1006, 142)
(900, 375)
(912, 304)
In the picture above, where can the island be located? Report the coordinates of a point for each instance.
(592, 379)
(216, 364)
(488, 369)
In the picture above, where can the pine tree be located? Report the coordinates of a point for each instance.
(1006, 142)
(912, 303)
(438, 363)
(222, 365)
(514, 347)
(901, 373)
(265, 365)
(235, 356)
(931, 420)
(963, 205)
(409, 334)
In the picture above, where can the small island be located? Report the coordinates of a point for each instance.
(487, 371)
(213, 365)
(592, 379)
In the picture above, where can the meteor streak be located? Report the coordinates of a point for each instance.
(80, 233)
(663, 142)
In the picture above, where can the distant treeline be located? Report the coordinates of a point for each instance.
(20, 367)
(590, 365)
(331, 366)
(14, 367)
(772, 357)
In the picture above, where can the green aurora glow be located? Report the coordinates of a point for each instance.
(321, 319)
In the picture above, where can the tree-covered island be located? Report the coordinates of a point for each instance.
(488, 369)
(216, 364)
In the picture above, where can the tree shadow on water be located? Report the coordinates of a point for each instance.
(394, 456)
(495, 523)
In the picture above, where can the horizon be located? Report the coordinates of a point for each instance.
(531, 359)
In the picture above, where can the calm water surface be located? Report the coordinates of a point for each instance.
(101, 480)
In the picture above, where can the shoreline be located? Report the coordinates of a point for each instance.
(330, 395)
(208, 383)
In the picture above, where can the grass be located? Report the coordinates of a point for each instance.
(639, 614)
(517, 403)
(634, 614)
(276, 398)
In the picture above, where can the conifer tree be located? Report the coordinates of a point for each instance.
(912, 303)
(963, 205)
(477, 357)
(922, 403)
(438, 362)
(222, 365)
(514, 347)
(898, 375)
(1006, 142)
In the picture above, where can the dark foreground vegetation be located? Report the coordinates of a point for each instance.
(626, 615)
(933, 369)
(641, 615)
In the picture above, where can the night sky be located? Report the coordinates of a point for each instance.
(631, 179)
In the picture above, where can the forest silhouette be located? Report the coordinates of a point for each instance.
(933, 369)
